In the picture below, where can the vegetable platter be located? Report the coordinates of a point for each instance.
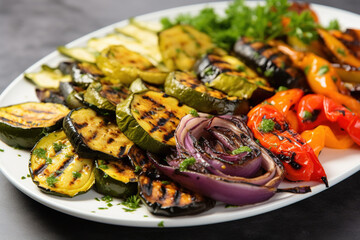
(101, 161)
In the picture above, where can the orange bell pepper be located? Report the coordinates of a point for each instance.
(323, 136)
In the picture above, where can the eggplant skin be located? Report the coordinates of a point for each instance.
(270, 63)
(163, 197)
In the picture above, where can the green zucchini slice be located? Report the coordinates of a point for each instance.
(73, 96)
(120, 63)
(22, 125)
(182, 45)
(104, 98)
(191, 91)
(115, 178)
(47, 77)
(94, 136)
(84, 73)
(150, 118)
(81, 54)
(57, 169)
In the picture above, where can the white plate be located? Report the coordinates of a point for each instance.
(338, 164)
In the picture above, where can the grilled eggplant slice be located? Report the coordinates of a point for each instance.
(49, 96)
(104, 98)
(84, 73)
(182, 45)
(269, 62)
(22, 125)
(73, 96)
(191, 91)
(57, 169)
(94, 136)
(115, 178)
(150, 118)
(161, 195)
(47, 77)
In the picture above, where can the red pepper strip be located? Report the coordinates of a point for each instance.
(299, 159)
(285, 102)
(316, 109)
(310, 112)
(347, 120)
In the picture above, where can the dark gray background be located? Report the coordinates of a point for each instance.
(31, 29)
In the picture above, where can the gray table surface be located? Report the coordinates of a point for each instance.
(30, 29)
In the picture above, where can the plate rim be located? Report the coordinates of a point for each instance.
(170, 222)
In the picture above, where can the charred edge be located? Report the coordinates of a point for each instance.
(122, 151)
(80, 125)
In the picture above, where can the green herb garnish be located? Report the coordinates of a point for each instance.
(161, 224)
(333, 25)
(51, 180)
(76, 175)
(132, 202)
(58, 146)
(137, 169)
(266, 125)
(307, 115)
(1, 150)
(323, 70)
(194, 113)
(41, 153)
(241, 150)
(186, 163)
(307, 69)
(341, 51)
(282, 88)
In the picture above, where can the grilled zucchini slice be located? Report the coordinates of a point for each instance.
(120, 63)
(94, 136)
(81, 54)
(47, 77)
(104, 98)
(84, 73)
(161, 195)
(22, 125)
(115, 178)
(150, 118)
(139, 86)
(57, 169)
(182, 45)
(191, 91)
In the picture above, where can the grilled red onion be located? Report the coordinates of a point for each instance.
(217, 171)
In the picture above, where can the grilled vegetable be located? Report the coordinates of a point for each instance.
(85, 73)
(347, 73)
(115, 178)
(47, 77)
(139, 85)
(81, 54)
(49, 96)
(73, 97)
(149, 119)
(122, 64)
(22, 125)
(189, 90)
(94, 136)
(182, 45)
(161, 195)
(269, 62)
(57, 169)
(103, 98)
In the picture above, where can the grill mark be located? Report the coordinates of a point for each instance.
(118, 169)
(168, 136)
(65, 164)
(40, 169)
(147, 114)
(147, 188)
(80, 125)
(40, 111)
(122, 151)
(163, 191)
(94, 135)
(110, 140)
(177, 197)
(153, 101)
(163, 121)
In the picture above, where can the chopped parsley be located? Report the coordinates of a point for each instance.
(58, 146)
(51, 180)
(1, 150)
(307, 115)
(23, 177)
(41, 153)
(323, 70)
(262, 22)
(266, 125)
(241, 150)
(186, 163)
(282, 88)
(240, 68)
(102, 165)
(269, 73)
(341, 51)
(194, 113)
(137, 169)
(132, 202)
(76, 175)
(107, 198)
(333, 25)
(161, 224)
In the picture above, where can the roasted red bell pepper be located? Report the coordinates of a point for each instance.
(315, 109)
(273, 131)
